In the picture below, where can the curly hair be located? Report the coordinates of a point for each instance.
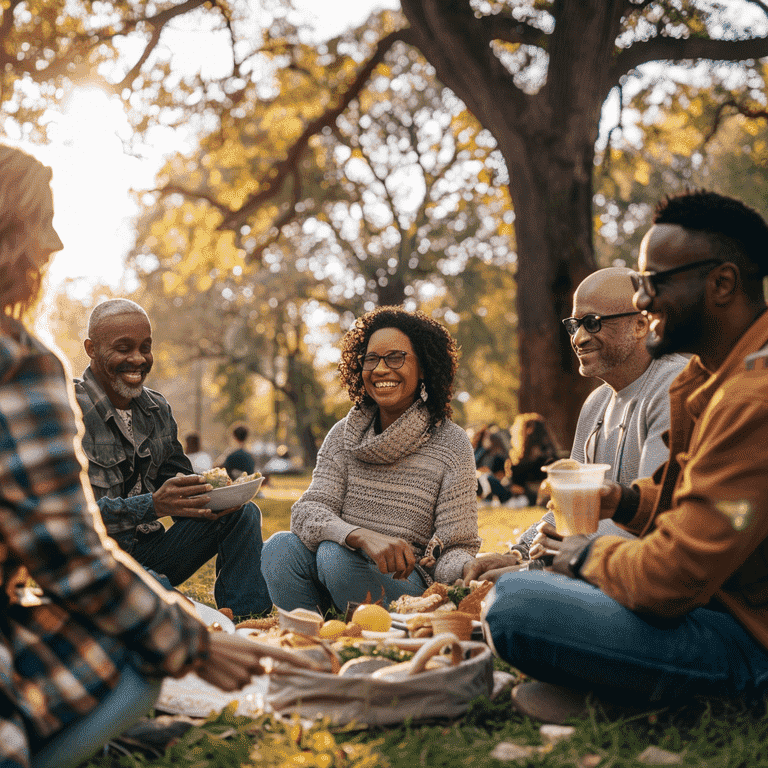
(24, 181)
(435, 350)
(529, 430)
(736, 232)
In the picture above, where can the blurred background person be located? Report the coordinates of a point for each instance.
(239, 461)
(532, 448)
(201, 460)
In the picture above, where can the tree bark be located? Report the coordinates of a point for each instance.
(547, 139)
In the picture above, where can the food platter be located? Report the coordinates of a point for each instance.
(234, 495)
(394, 632)
(400, 621)
(211, 616)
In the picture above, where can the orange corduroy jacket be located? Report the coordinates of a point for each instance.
(703, 517)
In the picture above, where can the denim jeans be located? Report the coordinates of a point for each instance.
(132, 698)
(234, 540)
(334, 575)
(566, 631)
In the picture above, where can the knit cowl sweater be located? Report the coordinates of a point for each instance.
(413, 481)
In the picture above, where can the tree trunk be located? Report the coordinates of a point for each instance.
(554, 248)
(547, 140)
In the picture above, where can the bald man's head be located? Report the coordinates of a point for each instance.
(616, 352)
(611, 289)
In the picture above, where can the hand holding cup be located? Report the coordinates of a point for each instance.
(576, 495)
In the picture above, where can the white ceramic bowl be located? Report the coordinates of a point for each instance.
(234, 495)
(300, 620)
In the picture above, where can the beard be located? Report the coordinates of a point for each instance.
(682, 330)
(125, 391)
(609, 357)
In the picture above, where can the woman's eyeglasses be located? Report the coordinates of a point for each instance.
(650, 280)
(393, 360)
(592, 323)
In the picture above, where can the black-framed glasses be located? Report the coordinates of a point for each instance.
(591, 322)
(650, 280)
(393, 360)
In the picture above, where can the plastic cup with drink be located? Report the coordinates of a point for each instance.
(575, 492)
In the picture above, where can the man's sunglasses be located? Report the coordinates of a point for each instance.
(650, 280)
(393, 360)
(592, 323)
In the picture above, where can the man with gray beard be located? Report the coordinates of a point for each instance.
(139, 472)
(622, 422)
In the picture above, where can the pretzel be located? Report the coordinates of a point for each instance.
(266, 623)
(412, 604)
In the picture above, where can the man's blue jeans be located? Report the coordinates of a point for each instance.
(334, 575)
(567, 632)
(234, 540)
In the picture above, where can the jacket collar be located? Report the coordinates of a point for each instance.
(141, 408)
(398, 440)
(701, 383)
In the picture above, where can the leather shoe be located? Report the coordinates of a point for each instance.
(549, 703)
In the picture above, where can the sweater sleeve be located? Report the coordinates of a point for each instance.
(316, 516)
(456, 512)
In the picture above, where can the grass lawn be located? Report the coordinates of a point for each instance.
(703, 733)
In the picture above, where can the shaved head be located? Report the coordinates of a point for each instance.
(616, 353)
(609, 290)
(110, 308)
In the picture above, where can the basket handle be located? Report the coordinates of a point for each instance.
(432, 648)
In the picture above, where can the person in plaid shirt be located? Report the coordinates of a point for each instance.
(85, 660)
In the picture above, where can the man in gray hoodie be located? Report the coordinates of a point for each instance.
(623, 420)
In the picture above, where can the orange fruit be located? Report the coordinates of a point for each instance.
(332, 629)
(372, 617)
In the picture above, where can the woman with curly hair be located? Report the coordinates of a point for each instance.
(392, 504)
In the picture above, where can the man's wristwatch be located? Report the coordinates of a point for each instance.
(572, 556)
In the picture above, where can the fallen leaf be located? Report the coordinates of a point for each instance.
(507, 750)
(554, 734)
(658, 756)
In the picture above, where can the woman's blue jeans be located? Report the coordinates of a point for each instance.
(566, 631)
(299, 578)
(126, 703)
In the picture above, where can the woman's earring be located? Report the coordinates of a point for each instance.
(423, 392)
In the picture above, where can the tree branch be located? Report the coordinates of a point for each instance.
(285, 217)
(272, 185)
(135, 70)
(503, 26)
(686, 49)
(739, 108)
(176, 189)
(81, 44)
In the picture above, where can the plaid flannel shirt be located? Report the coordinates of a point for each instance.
(60, 658)
(116, 462)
